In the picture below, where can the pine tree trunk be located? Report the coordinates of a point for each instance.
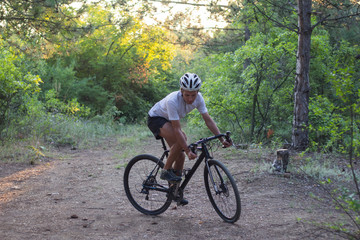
(300, 134)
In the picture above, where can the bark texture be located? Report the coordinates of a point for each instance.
(300, 134)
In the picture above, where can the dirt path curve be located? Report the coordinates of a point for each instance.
(80, 196)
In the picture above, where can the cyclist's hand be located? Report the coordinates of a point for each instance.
(226, 144)
(191, 155)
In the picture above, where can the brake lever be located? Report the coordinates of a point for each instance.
(228, 139)
(227, 136)
(193, 147)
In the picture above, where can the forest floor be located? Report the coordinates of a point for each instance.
(78, 194)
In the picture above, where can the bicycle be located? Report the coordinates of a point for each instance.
(152, 196)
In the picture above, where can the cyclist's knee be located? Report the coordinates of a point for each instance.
(175, 147)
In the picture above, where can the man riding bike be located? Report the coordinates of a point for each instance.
(164, 121)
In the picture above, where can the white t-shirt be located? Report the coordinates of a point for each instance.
(173, 106)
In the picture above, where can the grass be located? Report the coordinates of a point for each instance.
(321, 166)
(325, 170)
(316, 165)
(126, 153)
(122, 165)
(334, 175)
(16, 152)
(34, 140)
(59, 130)
(132, 134)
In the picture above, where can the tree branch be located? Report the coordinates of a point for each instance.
(274, 20)
(187, 3)
(319, 22)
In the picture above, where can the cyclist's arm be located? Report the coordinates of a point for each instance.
(210, 123)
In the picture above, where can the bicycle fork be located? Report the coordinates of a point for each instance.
(212, 178)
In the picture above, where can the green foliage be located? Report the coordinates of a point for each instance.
(15, 83)
(321, 63)
(71, 108)
(60, 126)
(328, 128)
(117, 66)
(347, 202)
(350, 201)
(123, 63)
(45, 18)
(321, 168)
(336, 92)
(249, 87)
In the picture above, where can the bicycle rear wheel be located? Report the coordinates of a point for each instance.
(143, 186)
(222, 191)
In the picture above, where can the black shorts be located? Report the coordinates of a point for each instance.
(155, 123)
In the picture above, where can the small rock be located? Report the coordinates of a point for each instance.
(54, 193)
(287, 175)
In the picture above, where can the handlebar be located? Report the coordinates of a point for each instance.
(193, 146)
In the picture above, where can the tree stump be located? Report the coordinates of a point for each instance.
(282, 159)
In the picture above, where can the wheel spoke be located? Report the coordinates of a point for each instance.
(143, 186)
(222, 191)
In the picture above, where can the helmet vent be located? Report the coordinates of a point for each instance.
(190, 82)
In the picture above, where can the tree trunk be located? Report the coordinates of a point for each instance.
(300, 134)
(253, 111)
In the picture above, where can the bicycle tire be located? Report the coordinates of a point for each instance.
(140, 182)
(226, 201)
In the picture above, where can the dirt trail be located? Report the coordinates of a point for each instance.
(80, 196)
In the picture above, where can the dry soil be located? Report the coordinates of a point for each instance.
(78, 194)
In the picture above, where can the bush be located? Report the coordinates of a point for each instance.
(327, 128)
(15, 84)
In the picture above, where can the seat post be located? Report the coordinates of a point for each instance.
(163, 143)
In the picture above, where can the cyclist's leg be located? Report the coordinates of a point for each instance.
(176, 156)
(179, 163)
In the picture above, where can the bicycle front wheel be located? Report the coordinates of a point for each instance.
(143, 186)
(222, 191)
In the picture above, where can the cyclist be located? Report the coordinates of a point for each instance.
(164, 121)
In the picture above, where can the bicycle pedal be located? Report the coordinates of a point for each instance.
(182, 202)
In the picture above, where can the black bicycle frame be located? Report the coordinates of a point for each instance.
(204, 155)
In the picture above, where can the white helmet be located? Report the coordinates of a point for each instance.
(190, 82)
